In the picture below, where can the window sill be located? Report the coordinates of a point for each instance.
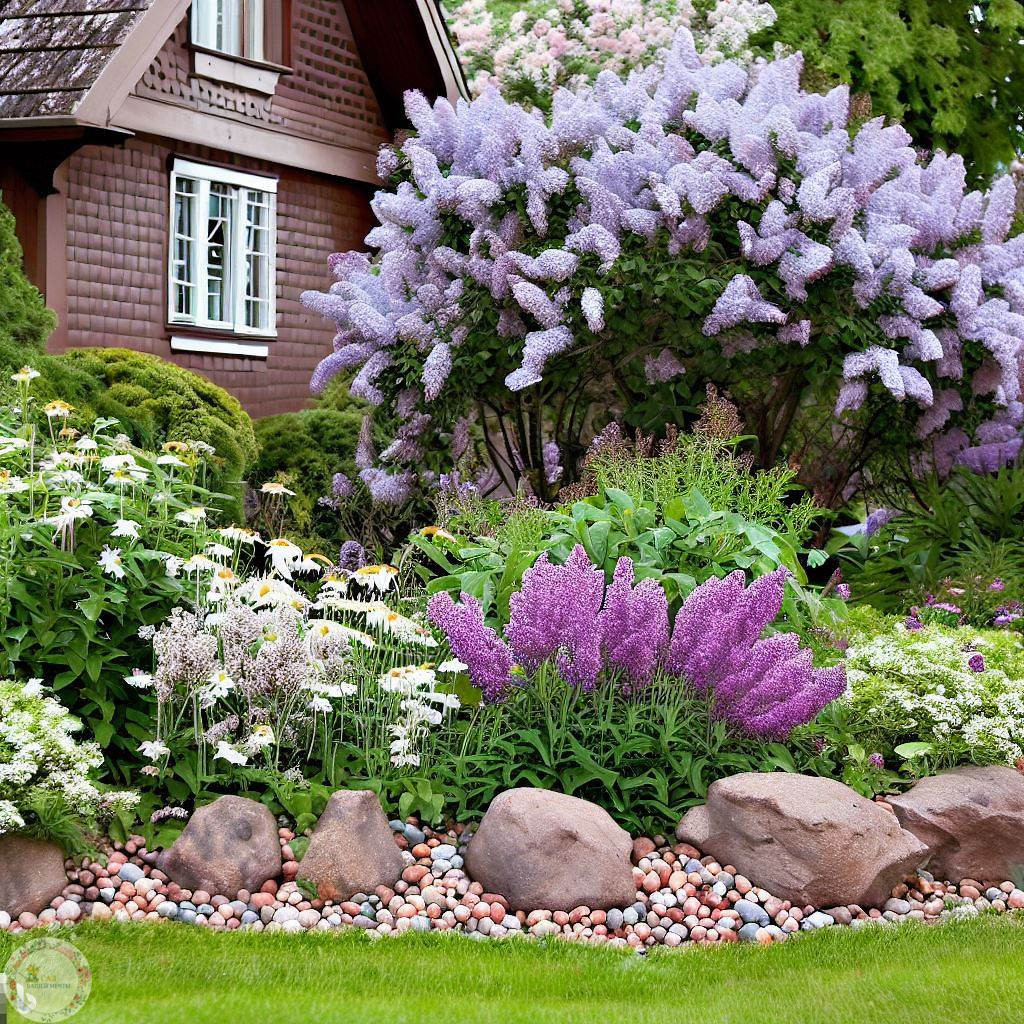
(231, 69)
(251, 348)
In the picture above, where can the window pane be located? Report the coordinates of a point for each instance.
(218, 25)
(183, 249)
(257, 259)
(254, 29)
(218, 254)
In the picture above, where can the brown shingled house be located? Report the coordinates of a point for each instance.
(180, 170)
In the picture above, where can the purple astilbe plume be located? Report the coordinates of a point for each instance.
(764, 687)
(485, 654)
(555, 614)
(633, 626)
(877, 520)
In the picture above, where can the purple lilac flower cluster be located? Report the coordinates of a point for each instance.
(764, 686)
(656, 156)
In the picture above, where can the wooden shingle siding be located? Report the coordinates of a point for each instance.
(327, 98)
(117, 202)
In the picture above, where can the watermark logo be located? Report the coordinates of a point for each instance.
(46, 980)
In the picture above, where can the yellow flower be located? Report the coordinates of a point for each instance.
(58, 408)
(436, 533)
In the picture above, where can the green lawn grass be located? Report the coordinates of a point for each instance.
(965, 972)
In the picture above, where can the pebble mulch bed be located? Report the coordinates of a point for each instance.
(682, 898)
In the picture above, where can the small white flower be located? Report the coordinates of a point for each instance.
(239, 535)
(220, 551)
(10, 484)
(191, 516)
(452, 665)
(379, 577)
(172, 565)
(126, 528)
(284, 555)
(139, 679)
(86, 444)
(24, 375)
(169, 460)
(109, 463)
(320, 704)
(12, 444)
(262, 736)
(274, 488)
(198, 563)
(110, 562)
(153, 750)
(219, 685)
(226, 752)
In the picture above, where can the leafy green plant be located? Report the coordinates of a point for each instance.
(684, 509)
(645, 758)
(964, 534)
(95, 536)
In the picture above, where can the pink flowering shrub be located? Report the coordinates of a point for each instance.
(687, 224)
(552, 43)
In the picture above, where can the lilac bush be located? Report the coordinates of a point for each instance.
(763, 686)
(687, 223)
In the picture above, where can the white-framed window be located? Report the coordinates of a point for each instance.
(229, 26)
(221, 271)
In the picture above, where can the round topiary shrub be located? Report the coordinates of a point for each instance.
(157, 401)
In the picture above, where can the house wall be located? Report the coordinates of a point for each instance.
(117, 203)
(327, 98)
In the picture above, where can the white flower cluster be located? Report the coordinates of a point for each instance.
(959, 689)
(41, 759)
(269, 666)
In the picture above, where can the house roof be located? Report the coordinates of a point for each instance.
(53, 51)
(66, 60)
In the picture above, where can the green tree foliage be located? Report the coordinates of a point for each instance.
(25, 322)
(952, 71)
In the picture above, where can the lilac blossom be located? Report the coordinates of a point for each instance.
(486, 655)
(553, 470)
(881, 517)
(341, 487)
(352, 556)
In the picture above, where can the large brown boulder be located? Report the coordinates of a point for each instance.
(803, 838)
(971, 820)
(228, 845)
(31, 874)
(548, 851)
(352, 848)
